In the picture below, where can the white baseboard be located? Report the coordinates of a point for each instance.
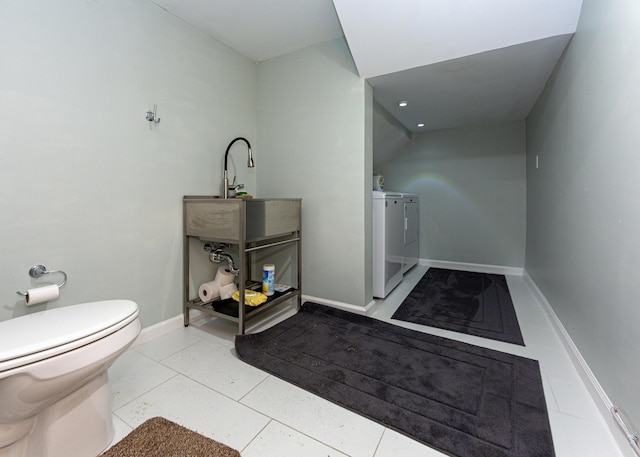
(365, 311)
(159, 329)
(176, 322)
(596, 391)
(477, 267)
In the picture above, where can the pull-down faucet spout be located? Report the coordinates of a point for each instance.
(250, 164)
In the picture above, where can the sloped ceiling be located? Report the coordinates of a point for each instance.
(387, 37)
(492, 86)
(260, 29)
(457, 63)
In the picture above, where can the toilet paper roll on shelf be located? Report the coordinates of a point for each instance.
(227, 290)
(209, 291)
(224, 276)
(42, 294)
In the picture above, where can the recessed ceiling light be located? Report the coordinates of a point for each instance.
(420, 125)
(403, 103)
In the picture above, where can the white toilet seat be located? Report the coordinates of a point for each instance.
(34, 337)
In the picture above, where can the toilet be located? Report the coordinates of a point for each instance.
(54, 392)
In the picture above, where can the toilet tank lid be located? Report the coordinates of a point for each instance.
(54, 327)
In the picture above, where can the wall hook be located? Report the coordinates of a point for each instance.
(152, 116)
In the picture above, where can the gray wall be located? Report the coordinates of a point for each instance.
(389, 137)
(314, 114)
(583, 243)
(472, 187)
(85, 185)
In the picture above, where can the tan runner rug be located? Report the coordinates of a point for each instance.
(159, 437)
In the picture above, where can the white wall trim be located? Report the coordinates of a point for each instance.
(596, 391)
(159, 329)
(366, 310)
(166, 326)
(477, 267)
(177, 322)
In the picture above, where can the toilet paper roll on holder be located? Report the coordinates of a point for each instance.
(37, 271)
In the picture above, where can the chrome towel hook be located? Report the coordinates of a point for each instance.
(152, 116)
(37, 271)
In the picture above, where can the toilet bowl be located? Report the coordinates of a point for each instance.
(54, 393)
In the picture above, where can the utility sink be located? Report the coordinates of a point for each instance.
(239, 220)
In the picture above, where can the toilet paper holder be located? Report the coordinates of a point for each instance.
(37, 271)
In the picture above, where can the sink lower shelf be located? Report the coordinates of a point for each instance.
(228, 308)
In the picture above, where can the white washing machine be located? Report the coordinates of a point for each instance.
(388, 241)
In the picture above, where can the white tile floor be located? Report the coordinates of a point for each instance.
(193, 377)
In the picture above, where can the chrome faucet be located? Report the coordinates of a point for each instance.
(250, 164)
(217, 255)
(220, 256)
